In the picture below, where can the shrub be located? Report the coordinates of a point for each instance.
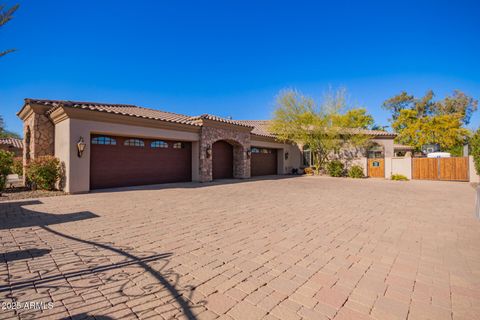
(335, 168)
(308, 170)
(356, 172)
(399, 177)
(17, 166)
(6, 161)
(475, 150)
(43, 172)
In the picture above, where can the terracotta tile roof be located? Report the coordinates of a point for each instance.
(260, 127)
(402, 147)
(376, 133)
(219, 119)
(17, 143)
(122, 109)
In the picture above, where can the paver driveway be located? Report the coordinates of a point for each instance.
(306, 247)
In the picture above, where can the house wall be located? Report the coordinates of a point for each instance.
(401, 165)
(62, 151)
(474, 177)
(77, 170)
(361, 161)
(68, 132)
(387, 145)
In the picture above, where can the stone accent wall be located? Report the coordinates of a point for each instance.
(239, 139)
(38, 137)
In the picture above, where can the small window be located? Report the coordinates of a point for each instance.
(178, 145)
(307, 158)
(255, 150)
(134, 143)
(104, 140)
(158, 144)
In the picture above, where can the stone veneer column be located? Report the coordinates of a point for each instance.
(239, 139)
(38, 133)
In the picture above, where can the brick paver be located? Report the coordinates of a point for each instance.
(293, 248)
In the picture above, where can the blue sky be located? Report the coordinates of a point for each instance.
(232, 58)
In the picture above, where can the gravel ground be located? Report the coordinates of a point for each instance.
(24, 193)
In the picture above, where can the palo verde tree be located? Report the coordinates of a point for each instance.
(420, 121)
(5, 16)
(326, 127)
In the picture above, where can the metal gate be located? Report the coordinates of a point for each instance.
(449, 169)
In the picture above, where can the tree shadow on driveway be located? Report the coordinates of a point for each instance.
(14, 215)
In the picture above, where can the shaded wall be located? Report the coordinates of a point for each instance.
(402, 166)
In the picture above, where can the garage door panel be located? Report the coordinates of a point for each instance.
(120, 165)
(263, 162)
(222, 160)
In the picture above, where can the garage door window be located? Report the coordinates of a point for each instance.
(134, 143)
(262, 150)
(178, 145)
(159, 144)
(104, 140)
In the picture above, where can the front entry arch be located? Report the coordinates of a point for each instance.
(222, 160)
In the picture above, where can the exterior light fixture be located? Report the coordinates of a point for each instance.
(249, 153)
(81, 146)
(209, 151)
(286, 155)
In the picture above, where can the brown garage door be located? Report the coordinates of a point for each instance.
(263, 162)
(121, 161)
(222, 160)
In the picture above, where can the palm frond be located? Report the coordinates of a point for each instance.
(6, 52)
(7, 15)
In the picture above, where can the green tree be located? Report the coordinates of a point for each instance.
(355, 118)
(6, 161)
(420, 121)
(5, 16)
(458, 103)
(398, 103)
(475, 149)
(326, 128)
(6, 133)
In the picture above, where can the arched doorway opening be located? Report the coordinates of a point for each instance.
(27, 145)
(222, 160)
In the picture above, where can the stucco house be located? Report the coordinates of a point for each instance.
(111, 145)
(12, 145)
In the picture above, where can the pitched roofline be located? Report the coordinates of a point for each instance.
(257, 126)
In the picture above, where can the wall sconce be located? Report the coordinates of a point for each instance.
(209, 151)
(249, 153)
(81, 146)
(286, 155)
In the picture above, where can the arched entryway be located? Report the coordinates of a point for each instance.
(222, 160)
